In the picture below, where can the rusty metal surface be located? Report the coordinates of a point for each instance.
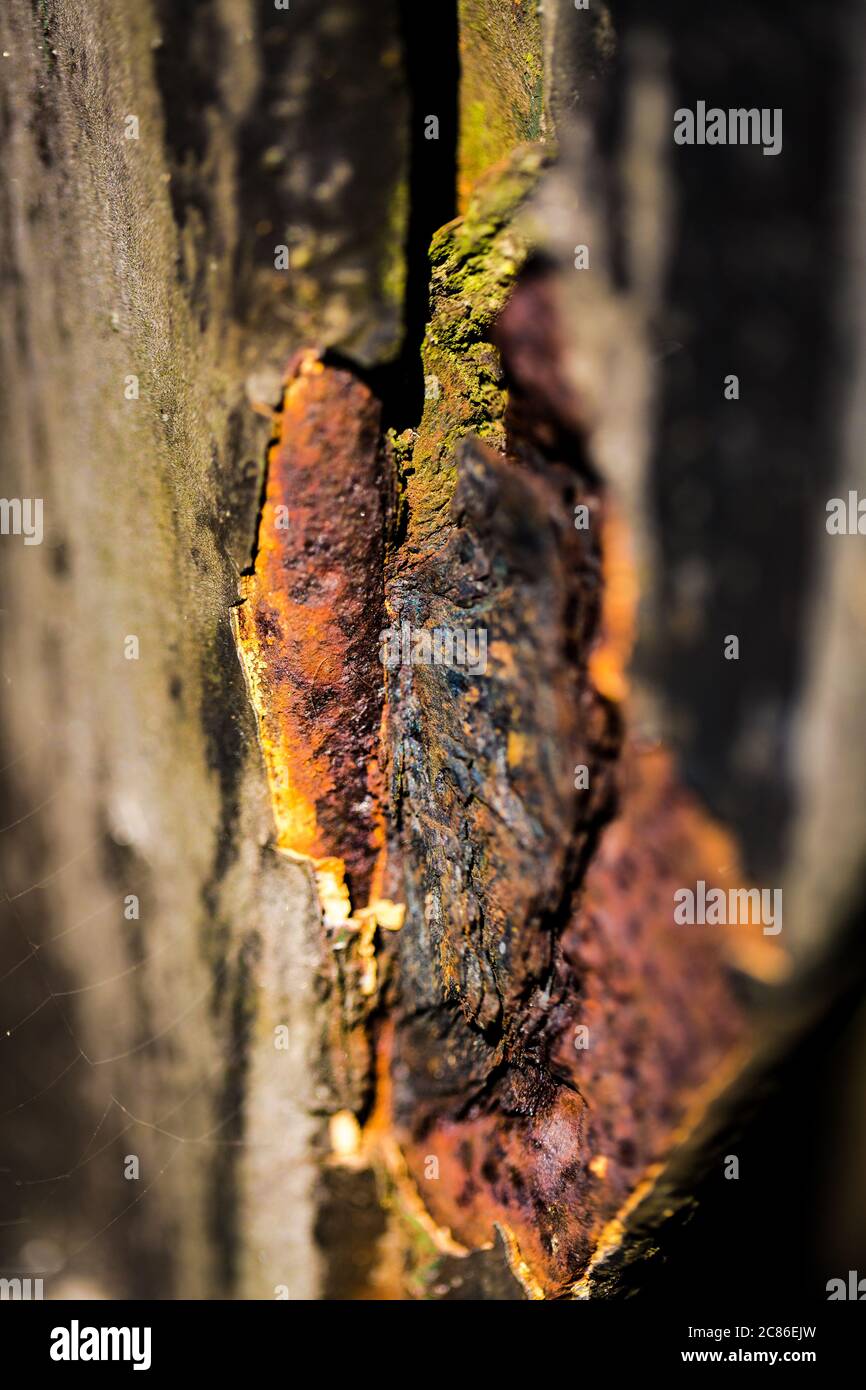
(536, 1039)
(534, 908)
(309, 618)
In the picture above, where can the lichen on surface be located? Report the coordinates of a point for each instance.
(474, 261)
(502, 84)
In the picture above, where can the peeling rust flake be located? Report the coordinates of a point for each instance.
(553, 1031)
(541, 1037)
(307, 632)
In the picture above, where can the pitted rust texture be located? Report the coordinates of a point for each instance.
(308, 625)
(548, 1027)
(484, 765)
(561, 1136)
(535, 909)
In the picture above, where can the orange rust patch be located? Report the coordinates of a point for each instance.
(609, 659)
(552, 1157)
(307, 629)
(574, 1027)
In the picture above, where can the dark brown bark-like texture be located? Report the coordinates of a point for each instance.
(419, 613)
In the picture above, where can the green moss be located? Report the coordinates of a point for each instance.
(474, 261)
(501, 83)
